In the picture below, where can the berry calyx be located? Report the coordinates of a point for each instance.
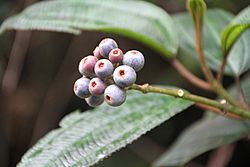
(103, 68)
(96, 86)
(114, 95)
(116, 55)
(124, 76)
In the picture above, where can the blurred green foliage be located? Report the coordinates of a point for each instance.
(48, 69)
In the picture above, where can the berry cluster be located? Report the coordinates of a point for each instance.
(107, 73)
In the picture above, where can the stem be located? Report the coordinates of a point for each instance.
(199, 50)
(189, 76)
(146, 88)
(217, 111)
(216, 86)
(222, 67)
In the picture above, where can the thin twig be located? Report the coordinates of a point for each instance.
(189, 76)
(215, 85)
(222, 68)
(195, 98)
(217, 111)
(199, 50)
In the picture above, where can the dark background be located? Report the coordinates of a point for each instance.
(37, 70)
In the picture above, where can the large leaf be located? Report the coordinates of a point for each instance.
(205, 135)
(138, 20)
(85, 138)
(214, 22)
(236, 27)
(201, 137)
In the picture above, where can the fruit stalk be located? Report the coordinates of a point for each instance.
(146, 88)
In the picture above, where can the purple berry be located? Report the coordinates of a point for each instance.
(106, 45)
(116, 55)
(96, 86)
(134, 59)
(114, 95)
(86, 66)
(96, 53)
(94, 101)
(124, 76)
(103, 68)
(81, 87)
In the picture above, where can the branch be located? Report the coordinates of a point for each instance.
(216, 86)
(146, 88)
(183, 71)
(220, 90)
(198, 14)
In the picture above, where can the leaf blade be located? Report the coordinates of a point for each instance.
(184, 153)
(86, 138)
(152, 25)
(233, 31)
(206, 134)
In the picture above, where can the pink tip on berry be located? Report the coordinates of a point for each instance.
(116, 55)
(86, 65)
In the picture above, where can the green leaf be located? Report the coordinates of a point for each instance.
(206, 134)
(138, 20)
(197, 9)
(214, 22)
(83, 139)
(201, 137)
(236, 27)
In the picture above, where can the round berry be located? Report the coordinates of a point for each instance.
(81, 87)
(124, 76)
(114, 95)
(134, 59)
(94, 101)
(106, 45)
(87, 65)
(96, 53)
(116, 55)
(96, 86)
(103, 68)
